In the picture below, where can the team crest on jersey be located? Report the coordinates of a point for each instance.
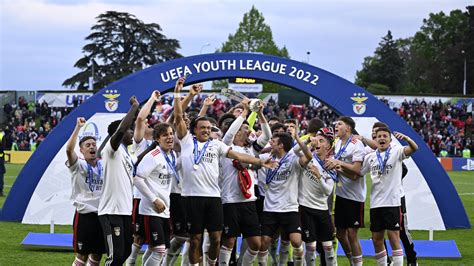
(359, 106)
(117, 231)
(111, 104)
(79, 245)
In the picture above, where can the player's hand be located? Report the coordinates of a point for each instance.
(155, 95)
(269, 163)
(159, 205)
(314, 170)
(400, 136)
(81, 121)
(195, 89)
(133, 100)
(179, 84)
(260, 107)
(246, 103)
(210, 99)
(330, 163)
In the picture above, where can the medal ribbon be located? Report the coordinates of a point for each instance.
(90, 175)
(384, 162)
(198, 157)
(171, 163)
(343, 149)
(332, 173)
(271, 173)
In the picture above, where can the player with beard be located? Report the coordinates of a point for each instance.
(154, 174)
(142, 139)
(351, 189)
(115, 206)
(315, 186)
(200, 161)
(238, 194)
(281, 197)
(87, 182)
(385, 167)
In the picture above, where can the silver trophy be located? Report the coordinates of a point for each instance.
(254, 104)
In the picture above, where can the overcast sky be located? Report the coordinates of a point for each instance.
(40, 40)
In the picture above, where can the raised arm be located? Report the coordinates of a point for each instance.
(244, 158)
(126, 123)
(412, 146)
(71, 143)
(210, 99)
(267, 132)
(369, 142)
(179, 123)
(303, 160)
(234, 128)
(140, 126)
(193, 91)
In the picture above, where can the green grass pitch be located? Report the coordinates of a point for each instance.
(12, 253)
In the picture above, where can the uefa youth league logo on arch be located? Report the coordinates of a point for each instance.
(111, 104)
(90, 129)
(359, 106)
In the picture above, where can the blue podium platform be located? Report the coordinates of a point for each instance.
(442, 249)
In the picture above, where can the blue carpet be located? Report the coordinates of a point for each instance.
(446, 249)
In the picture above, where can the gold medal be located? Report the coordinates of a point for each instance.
(195, 167)
(265, 187)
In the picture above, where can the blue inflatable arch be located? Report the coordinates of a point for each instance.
(337, 93)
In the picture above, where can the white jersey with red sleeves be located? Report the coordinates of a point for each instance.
(87, 183)
(281, 194)
(229, 181)
(347, 188)
(313, 191)
(385, 191)
(158, 175)
(117, 195)
(203, 181)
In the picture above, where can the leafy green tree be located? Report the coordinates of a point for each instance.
(119, 45)
(436, 58)
(384, 68)
(253, 35)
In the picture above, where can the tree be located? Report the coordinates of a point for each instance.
(384, 68)
(120, 44)
(253, 35)
(436, 52)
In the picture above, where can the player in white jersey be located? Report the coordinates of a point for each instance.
(238, 194)
(315, 186)
(142, 138)
(281, 197)
(115, 206)
(86, 183)
(200, 161)
(385, 167)
(351, 189)
(154, 174)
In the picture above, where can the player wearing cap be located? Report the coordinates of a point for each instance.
(351, 189)
(315, 186)
(115, 206)
(200, 161)
(87, 182)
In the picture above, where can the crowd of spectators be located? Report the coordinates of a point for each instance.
(446, 128)
(28, 123)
